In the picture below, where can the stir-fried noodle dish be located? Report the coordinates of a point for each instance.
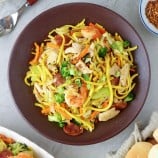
(10, 148)
(81, 75)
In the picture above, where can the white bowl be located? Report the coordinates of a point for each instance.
(39, 152)
(150, 27)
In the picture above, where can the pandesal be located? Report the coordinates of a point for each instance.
(139, 149)
(155, 135)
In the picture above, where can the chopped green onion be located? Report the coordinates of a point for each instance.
(129, 97)
(76, 122)
(64, 64)
(102, 52)
(59, 98)
(65, 72)
(126, 44)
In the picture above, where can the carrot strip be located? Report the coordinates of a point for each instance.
(38, 50)
(80, 110)
(81, 55)
(119, 62)
(64, 105)
(46, 111)
(84, 52)
(94, 115)
(84, 91)
(98, 27)
(84, 94)
(105, 103)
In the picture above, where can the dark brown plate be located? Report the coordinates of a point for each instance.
(37, 30)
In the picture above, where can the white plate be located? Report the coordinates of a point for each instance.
(150, 27)
(39, 152)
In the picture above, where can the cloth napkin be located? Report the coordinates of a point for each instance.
(136, 136)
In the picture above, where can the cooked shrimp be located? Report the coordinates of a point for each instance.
(74, 98)
(90, 32)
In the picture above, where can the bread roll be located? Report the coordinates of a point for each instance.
(153, 153)
(140, 149)
(155, 135)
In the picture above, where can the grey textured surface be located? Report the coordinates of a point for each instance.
(10, 116)
(139, 134)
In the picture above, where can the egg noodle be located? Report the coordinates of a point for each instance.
(82, 74)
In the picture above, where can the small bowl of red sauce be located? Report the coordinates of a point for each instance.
(148, 10)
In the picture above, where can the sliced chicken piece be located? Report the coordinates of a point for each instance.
(124, 74)
(76, 48)
(114, 69)
(107, 115)
(83, 67)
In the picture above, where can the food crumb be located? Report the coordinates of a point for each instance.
(151, 12)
